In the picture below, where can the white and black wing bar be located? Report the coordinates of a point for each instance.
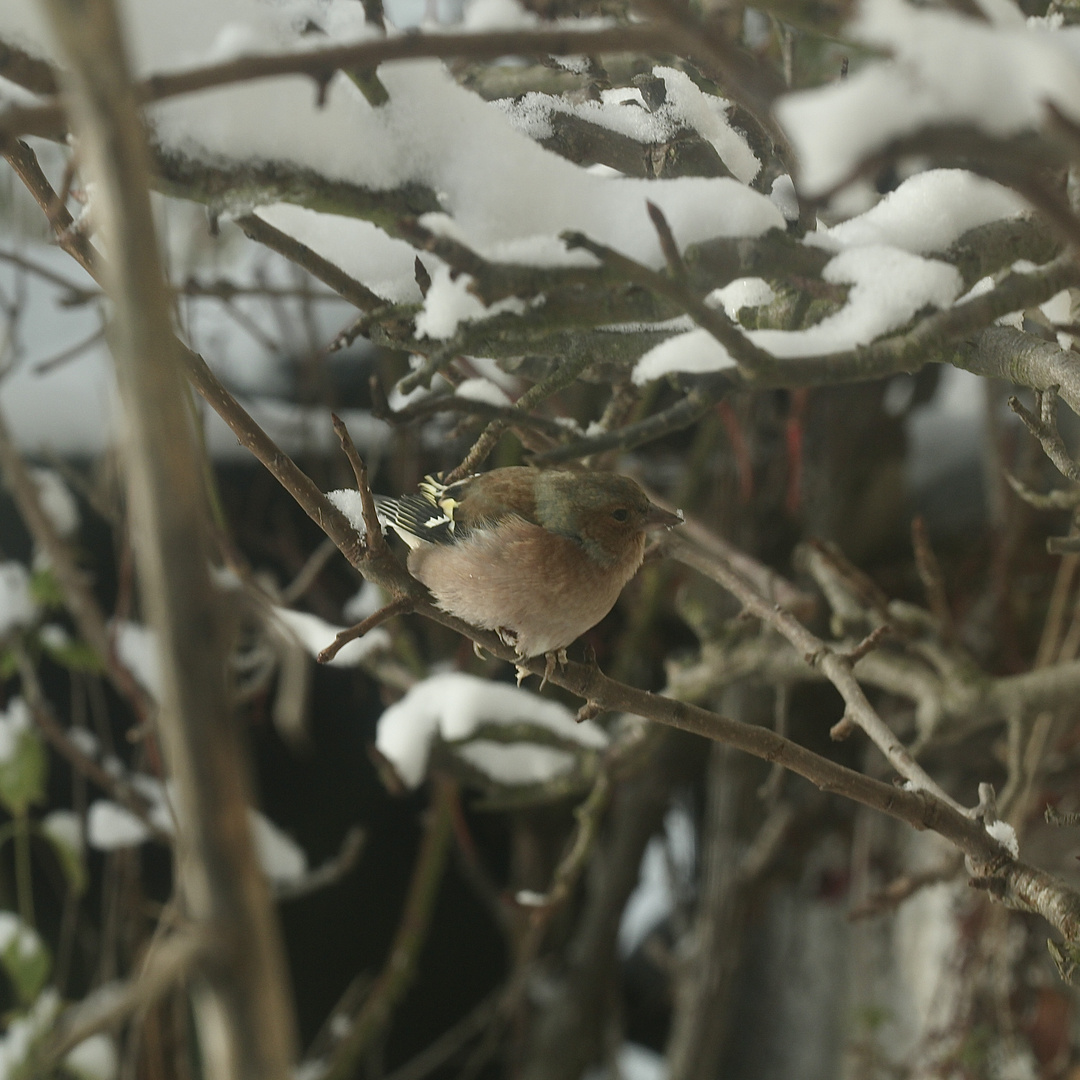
(425, 516)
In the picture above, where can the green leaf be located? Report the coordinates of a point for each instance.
(45, 589)
(23, 764)
(63, 831)
(24, 956)
(75, 655)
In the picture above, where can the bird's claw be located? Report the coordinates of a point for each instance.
(556, 656)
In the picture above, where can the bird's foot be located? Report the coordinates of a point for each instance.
(522, 673)
(556, 656)
(478, 651)
(507, 636)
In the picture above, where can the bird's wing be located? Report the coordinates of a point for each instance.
(425, 516)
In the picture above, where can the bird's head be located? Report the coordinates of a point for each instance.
(606, 513)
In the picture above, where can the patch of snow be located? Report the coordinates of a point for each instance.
(18, 609)
(944, 69)
(57, 501)
(783, 194)
(282, 859)
(14, 721)
(654, 898)
(65, 828)
(927, 213)
(888, 287)
(110, 826)
(517, 763)
(315, 634)
(1005, 835)
(364, 603)
(485, 390)
(137, 649)
(23, 1032)
(449, 303)
(453, 705)
(94, 1059)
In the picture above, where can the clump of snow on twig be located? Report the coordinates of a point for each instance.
(453, 705)
(1005, 835)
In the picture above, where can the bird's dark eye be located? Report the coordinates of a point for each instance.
(622, 514)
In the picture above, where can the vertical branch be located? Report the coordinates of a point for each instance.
(246, 1025)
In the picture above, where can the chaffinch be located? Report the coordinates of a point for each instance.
(538, 557)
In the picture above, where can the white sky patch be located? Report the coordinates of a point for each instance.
(449, 303)
(315, 634)
(361, 249)
(452, 705)
(480, 389)
(888, 287)
(17, 606)
(945, 69)
(137, 649)
(927, 213)
(498, 15)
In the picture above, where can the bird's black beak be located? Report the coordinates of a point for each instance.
(659, 518)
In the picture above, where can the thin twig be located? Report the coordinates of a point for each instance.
(932, 578)
(400, 967)
(374, 540)
(672, 255)
(902, 888)
(748, 356)
(79, 598)
(562, 377)
(400, 606)
(167, 964)
(1044, 428)
(837, 668)
(81, 762)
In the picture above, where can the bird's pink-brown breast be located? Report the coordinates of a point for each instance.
(543, 587)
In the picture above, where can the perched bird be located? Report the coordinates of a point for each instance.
(538, 557)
